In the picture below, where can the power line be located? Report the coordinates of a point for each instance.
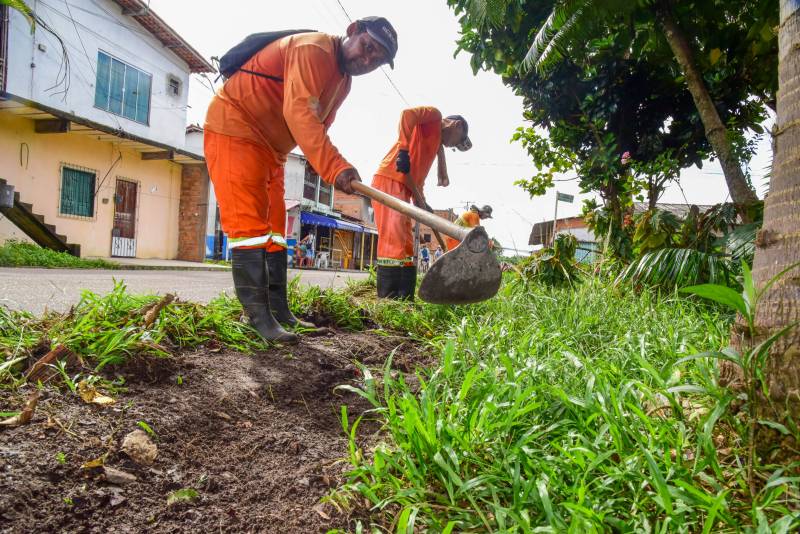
(346, 14)
(388, 78)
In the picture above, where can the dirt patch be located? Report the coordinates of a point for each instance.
(257, 437)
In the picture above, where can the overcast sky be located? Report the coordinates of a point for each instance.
(425, 74)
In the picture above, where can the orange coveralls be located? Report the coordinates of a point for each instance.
(420, 134)
(254, 122)
(469, 219)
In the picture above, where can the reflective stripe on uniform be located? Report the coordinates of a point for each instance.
(393, 262)
(255, 241)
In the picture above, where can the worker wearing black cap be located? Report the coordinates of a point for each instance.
(424, 134)
(285, 95)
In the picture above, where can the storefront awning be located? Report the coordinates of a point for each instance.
(313, 218)
(342, 225)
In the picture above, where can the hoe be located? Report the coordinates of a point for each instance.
(468, 273)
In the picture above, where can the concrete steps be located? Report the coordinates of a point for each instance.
(34, 225)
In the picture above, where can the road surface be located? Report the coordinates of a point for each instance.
(35, 290)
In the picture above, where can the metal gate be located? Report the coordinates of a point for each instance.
(123, 236)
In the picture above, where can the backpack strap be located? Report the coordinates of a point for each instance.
(261, 74)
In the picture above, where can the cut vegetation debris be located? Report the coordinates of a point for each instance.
(258, 437)
(17, 254)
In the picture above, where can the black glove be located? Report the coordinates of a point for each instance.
(403, 162)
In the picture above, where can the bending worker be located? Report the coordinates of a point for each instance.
(469, 219)
(423, 136)
(285, 95)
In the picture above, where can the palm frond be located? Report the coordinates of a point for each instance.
(546, 48)
(488, 11)
(23, 8)
(570, 24)
(678, 267)
(740, 242)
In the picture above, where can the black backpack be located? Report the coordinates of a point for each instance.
(232, 61)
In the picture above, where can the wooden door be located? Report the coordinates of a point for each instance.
(123, 240)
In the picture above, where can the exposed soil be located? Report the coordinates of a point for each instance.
(258, 437)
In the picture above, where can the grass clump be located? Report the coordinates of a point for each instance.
(107, 330)
(569, 410)
(17, 254)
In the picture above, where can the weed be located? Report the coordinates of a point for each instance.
(147, 428)
(107, 330)
(182, 495)
(17, 254)
(61, 458)
(71, 383)
(565, 409)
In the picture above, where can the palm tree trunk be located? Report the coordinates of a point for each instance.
(778, 243)
(741, 193)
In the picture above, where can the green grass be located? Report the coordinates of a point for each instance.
(16, 254)
(107, 330)
(551, 410)
(568, 410)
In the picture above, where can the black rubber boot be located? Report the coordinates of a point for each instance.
(278, 301)
(251, 281)
(388, 278)
(408, 283)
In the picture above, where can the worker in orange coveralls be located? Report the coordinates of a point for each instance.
(423, 136)
(285, 95)
(469, 219)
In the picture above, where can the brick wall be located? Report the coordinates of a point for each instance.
(350, 205)
(426, 232)
(192, 213)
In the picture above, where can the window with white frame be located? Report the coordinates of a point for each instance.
(122, 89)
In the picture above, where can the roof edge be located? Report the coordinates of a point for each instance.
(139, 10)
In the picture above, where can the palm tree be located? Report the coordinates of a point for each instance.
(573, 22)
(22, 7)
(778, 242)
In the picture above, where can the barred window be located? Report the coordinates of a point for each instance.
(77, 192)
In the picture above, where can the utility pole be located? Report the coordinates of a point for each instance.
(564, 198)
(555, 219)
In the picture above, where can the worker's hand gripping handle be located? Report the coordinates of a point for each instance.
(425, 217)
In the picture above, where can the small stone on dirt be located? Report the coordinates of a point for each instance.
(116, 500)
(117, 476)
(139, 448)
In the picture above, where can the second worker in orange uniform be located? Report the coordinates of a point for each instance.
(423, 136)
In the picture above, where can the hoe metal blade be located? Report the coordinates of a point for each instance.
(468, 273)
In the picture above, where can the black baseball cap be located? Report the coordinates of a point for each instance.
(465, 143)
(382, 31)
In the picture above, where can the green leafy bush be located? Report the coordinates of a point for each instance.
(553, 266)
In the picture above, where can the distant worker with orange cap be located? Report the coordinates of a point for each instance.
(469, 219)
(284, 95)
(423, 136)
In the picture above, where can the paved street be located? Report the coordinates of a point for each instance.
(58, 289)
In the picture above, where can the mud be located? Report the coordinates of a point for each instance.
(258, 437)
